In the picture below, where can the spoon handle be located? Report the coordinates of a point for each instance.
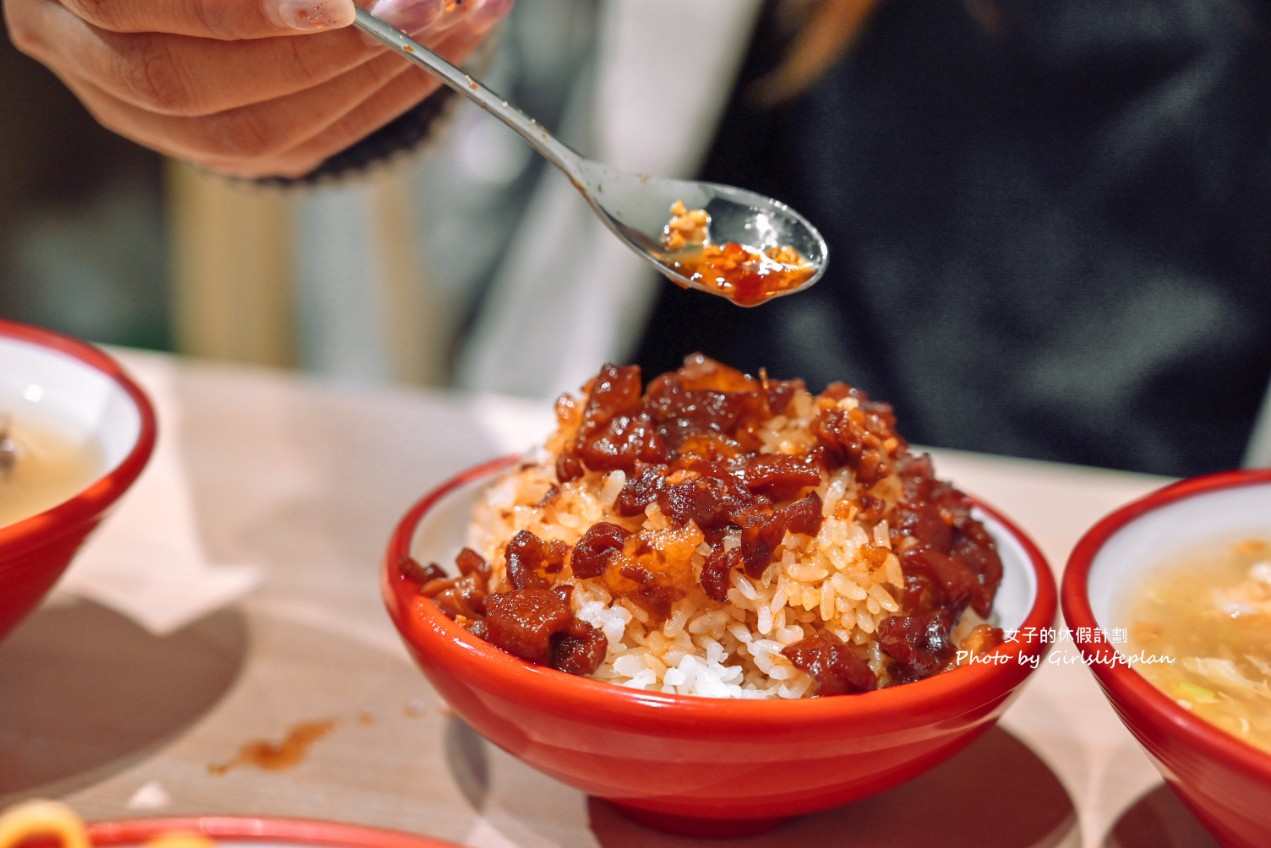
(540, 139)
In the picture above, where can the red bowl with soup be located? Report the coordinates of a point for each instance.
(77, 432)
(1169, 601)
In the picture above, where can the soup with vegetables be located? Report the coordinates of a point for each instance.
(42, 463)
(1210, 611)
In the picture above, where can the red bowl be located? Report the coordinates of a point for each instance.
(88, 391)
(696, 765)
(256, 832)
(1224, 781)
(230, 832)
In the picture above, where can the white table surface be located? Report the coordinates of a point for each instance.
(268, 617)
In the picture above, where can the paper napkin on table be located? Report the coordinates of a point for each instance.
(146, 561)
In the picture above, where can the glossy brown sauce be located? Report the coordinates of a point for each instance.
(746, 275)
(743, 274)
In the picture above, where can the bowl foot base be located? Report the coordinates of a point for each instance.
(707, 828)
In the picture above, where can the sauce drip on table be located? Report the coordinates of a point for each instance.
(276, 756)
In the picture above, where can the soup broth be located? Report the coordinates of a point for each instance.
(49, 463)
(1210, 612)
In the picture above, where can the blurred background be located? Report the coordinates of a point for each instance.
(83, 245)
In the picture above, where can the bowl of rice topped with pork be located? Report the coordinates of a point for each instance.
(715, 568)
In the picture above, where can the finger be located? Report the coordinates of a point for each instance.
(256, 133)
(182, 75)
(232, 20)
(306, 128)
(227, 20)
(187, 76)
(401, 94)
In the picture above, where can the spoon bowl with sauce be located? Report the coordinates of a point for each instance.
(759, 248)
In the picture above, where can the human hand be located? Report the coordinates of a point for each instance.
(243, 87)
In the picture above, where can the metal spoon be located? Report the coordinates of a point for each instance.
(636, 207)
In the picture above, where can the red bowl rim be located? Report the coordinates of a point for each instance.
(1124, 683)
(257, 829)
(960, 690)
(106, 489)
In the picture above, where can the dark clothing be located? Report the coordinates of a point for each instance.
(1048, 228)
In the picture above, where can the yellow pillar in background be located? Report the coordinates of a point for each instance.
(234, 291)
(231, 268)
